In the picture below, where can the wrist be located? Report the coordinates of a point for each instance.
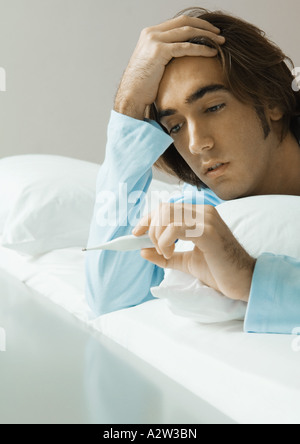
(246, 281)
(129, 108)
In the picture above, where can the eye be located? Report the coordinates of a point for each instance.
(175, 129)
(216, 108)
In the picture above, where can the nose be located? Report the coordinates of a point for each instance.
(199, 139)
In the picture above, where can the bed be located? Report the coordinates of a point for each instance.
(209, 372)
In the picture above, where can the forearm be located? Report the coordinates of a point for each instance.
(117, 280)
(129, 106)
(124, 178)
(133, 147)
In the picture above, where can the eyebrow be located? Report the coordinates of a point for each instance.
(199, 94)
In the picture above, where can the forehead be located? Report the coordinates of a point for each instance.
(183, 75)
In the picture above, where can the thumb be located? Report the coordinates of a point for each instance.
(179, 261)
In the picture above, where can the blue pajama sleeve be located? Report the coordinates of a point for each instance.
(274, 304)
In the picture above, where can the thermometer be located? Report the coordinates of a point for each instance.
(125, 243)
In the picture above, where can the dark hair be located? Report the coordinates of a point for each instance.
(256, 73)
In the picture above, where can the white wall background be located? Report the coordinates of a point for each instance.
(64, 60)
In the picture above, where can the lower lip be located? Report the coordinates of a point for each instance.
(218, 172)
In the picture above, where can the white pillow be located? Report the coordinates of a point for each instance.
(46, 202)
(262, 224)
(187, 296)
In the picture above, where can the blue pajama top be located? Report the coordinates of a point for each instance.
(117, 280)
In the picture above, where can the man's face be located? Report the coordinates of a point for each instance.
(220, 138)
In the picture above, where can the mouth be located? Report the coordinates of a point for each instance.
(216, 170)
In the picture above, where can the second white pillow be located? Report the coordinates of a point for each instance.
(50, 202)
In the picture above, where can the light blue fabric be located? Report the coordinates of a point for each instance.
(117, 280)
(274, 305)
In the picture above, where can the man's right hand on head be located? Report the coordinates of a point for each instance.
(156, 47)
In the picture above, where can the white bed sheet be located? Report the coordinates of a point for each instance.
(58, 275)
(250, 378)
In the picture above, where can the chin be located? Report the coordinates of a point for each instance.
(228, 193)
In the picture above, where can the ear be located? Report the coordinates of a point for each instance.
(275, 113)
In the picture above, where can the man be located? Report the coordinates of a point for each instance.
(226, 122)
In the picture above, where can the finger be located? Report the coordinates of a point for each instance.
(155, 230)
(143, 226)
(187, 33)
(192, 50)
(185, 20)
(151, 255)
(166, 242)
(156, 222)
(148, 223)
(179, 261)
(163, 217)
